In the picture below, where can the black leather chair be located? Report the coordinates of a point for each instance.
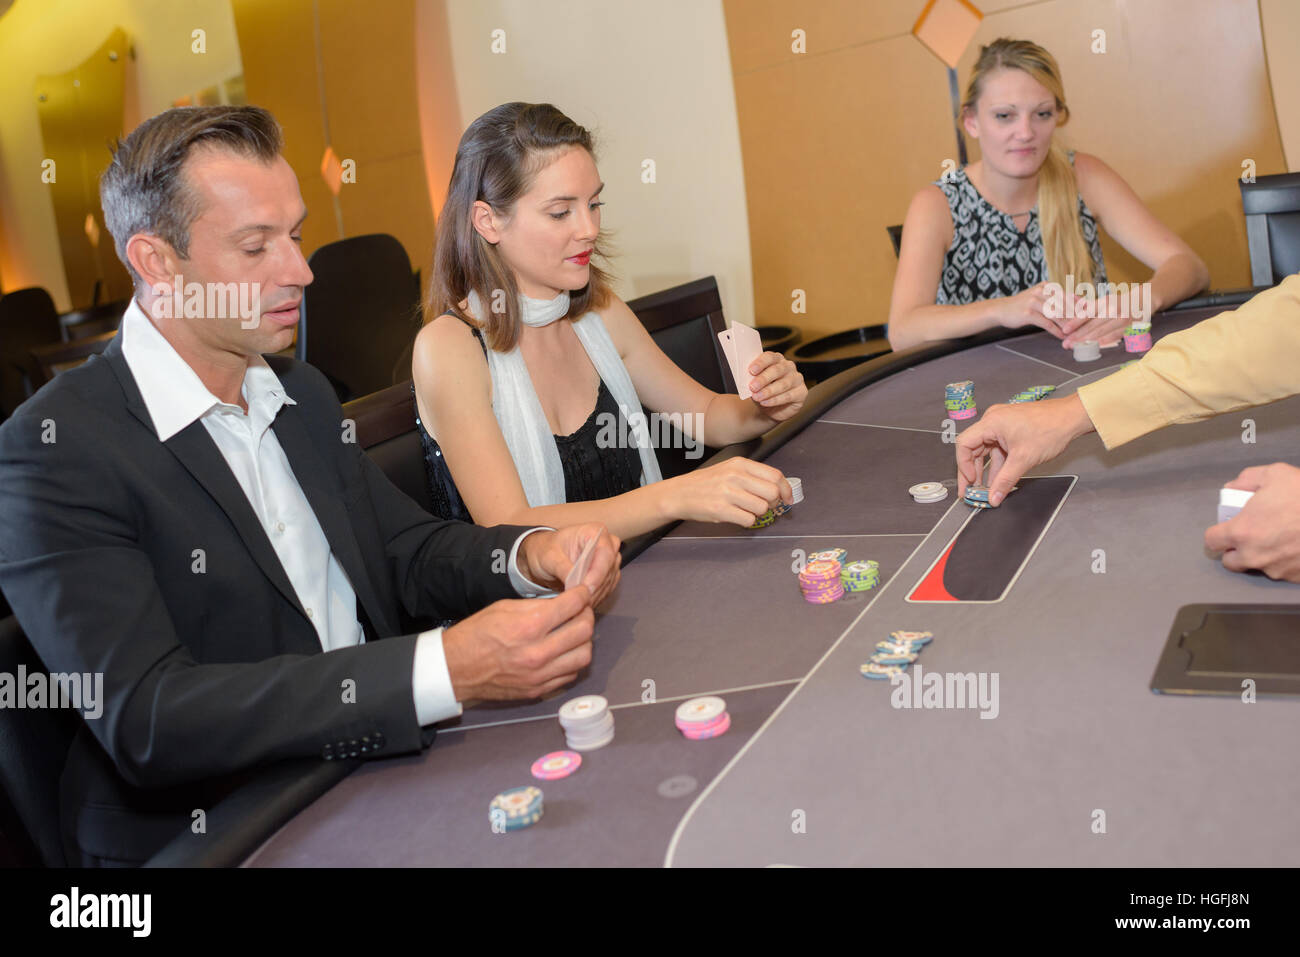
(896, 237)
(33, 746)
(360, 314)
(27, 319)
(685, 321)
(1272, 208)
(385, 429)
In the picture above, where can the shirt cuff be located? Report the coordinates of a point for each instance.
(1123, 406)
(524, 587)
(431, 681)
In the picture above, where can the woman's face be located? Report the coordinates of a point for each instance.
(548, 239)
(1013, 120)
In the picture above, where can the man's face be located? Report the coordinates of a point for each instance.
(248, 233)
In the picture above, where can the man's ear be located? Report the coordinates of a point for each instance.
(485, 222)
(154, 259)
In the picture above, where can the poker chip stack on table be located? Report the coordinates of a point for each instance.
(820, 582)
(1033, 393)
(702, 718)
(860, 576)
(516, 809)
(1137, 337)
(927, 492)
(588, 723)
(959, 399)
(1087, 351)
(894, 655)
(977, 497)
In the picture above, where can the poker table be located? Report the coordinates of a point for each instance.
(1051, 612)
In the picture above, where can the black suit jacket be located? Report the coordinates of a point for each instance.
(210, 664)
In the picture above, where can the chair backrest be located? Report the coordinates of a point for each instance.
(27, 319)
(684, 322)
(1272, 208)
(896, 237)
(385, 424)
(360, 313)
(48, 361)
(84, 323)
(34, 744)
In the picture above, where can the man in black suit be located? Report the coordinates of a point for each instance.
(194, 522)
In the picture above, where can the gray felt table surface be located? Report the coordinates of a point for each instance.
(819, 768)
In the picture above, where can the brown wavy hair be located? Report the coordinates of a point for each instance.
(497, 160)
(1064, 248)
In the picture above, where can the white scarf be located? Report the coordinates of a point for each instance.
(519, 412)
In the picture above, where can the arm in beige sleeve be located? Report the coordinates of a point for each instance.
(1246, 357)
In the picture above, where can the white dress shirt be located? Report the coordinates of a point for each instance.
(176, 397)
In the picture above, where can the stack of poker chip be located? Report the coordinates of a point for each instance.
(892, 656)
(1033, 393)
(796, 489)
(831, 554)
(820, 582)
(702, 718)
(556, 765)
(516, 809)
(588, 723)
(764, 520)
(1137, 337)
(860, 576)
(977, 497)
(959, 399)
(1087, 351)
(927, 492)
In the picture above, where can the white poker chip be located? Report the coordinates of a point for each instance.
(796, 489)
(928, 492)
(591, 745)
(584, 710)
(1087, 351)
(701, 710)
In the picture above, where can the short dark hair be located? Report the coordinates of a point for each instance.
(143, 191)
(499, 156)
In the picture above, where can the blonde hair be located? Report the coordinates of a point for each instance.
(1064, 248)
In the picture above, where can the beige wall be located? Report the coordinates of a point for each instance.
(41, 37)
(838, 139)
(1281, 26)
(653, 81)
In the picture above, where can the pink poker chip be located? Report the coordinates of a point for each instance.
(713, 732)
(701, 725)
(556, 765)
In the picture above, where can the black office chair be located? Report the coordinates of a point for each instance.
(360, 314)
(685, 321)
(1272, 208)
(34, 744)
(27, 319)
(896, 237)
(385, 422)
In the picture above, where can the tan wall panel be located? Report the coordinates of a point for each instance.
(1281, 27)
(835, 145)
(279, 54)
(759, 31)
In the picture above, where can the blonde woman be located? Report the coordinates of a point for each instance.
(980, 245)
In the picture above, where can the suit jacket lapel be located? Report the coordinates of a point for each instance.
(194, 447)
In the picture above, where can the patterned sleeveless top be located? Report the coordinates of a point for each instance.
(988, 257)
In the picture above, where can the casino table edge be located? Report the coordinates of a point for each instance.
(244, 820)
